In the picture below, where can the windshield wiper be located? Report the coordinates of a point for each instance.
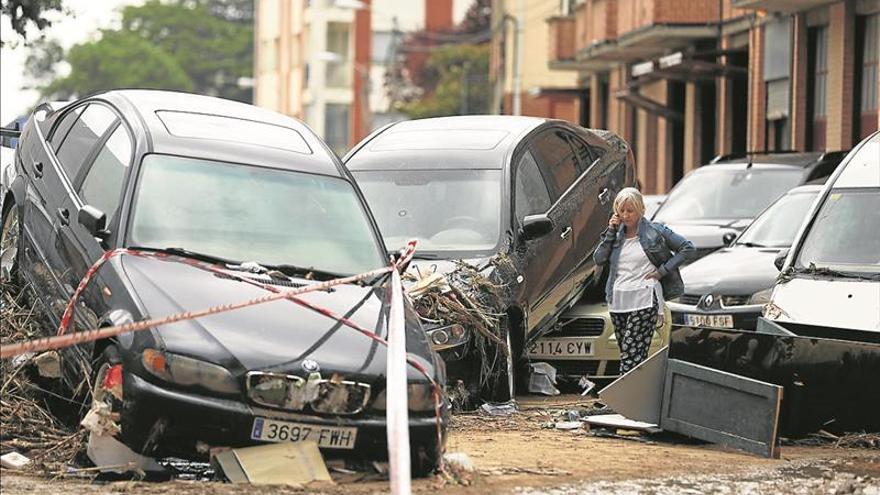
(426, 256)
(828, 272)
(302, 271)
(186, 253)
(751, 244)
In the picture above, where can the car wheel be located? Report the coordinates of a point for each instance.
(10, 241)
(424, 458)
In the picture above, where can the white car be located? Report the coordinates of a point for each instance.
(829, 285)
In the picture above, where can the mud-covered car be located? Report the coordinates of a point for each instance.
(508, 211)
(583, 343)
(215, 202)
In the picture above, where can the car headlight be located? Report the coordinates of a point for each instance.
(448, 337)
(761, 297)
(187, 371)
(420, 398)
(773, 312)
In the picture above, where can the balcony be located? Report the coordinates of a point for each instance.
(562, 42)
(785, 6)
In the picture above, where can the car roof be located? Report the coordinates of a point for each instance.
(470, 142)
(807, 188)
(863, 168)
(798, 159)
(154, 108)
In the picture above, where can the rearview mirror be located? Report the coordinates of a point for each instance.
(94, 220)
(535, 226)
(728, 238)
(779, 261)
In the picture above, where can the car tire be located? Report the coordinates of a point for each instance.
(424, 458)
(10, 244)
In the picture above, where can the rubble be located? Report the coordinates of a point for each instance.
(14, 460)
(542, 379)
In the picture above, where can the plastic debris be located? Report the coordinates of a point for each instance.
(111, 455)
(459, 462)
(542, 379)
(501, 409)
(14, 460)
(48, 364)
(569, 425)
(586, 385)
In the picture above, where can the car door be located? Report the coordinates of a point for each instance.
(549, 262)
(100, 184)
(74, 150)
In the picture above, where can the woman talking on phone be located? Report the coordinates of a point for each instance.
(643, 259)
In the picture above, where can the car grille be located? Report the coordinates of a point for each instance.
(293, 393)
(689, 299)
(582, 327)
(734, 300)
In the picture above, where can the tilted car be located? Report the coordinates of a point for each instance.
(218, 202)
(532, 192)
(829, 285)
(729, 288)
(714, 203)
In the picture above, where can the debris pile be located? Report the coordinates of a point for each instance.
(469, 296)
(27, 424)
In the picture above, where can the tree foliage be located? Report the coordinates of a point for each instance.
(462, 83)
(119, 60)
(203, 46)
(24, 14)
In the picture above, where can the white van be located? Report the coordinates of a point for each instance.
(829, 285)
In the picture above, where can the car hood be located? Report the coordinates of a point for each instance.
(421, 268)
(275, 336)
(848, 304)
(708, 234)
(731, 271)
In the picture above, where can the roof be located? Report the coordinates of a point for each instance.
(471, 142)
(224, 130)
(863, 167)
(807, 188)
(795, 159)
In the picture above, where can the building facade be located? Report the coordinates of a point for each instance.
(324, 61)
(686, 80)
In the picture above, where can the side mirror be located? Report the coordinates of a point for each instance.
(535, 226)
(728, 238)
(94, 220)
(779, 260)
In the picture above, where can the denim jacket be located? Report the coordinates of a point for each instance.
(665, 249)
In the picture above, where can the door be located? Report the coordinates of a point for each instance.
(73, 151)
(100, 185)
(550, 259)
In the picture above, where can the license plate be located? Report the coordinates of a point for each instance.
(715, 321)
(331, 437)
(548, 348)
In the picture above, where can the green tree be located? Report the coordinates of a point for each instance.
(23, 14)
(207, 38)
(118, 60)
(462, 83)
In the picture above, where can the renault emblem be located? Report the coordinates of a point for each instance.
(708, 300)
(310, 366)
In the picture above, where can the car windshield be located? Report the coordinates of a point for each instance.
(446, 210)
(778, 225)
(844, 235)
(247, 213)
(720, 192)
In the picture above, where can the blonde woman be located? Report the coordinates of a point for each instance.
(643, 259)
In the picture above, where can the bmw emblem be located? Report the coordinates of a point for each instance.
(310, 366)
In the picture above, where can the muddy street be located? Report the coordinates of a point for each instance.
(521, 454)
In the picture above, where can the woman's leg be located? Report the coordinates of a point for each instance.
(642, 323)
(623, 332)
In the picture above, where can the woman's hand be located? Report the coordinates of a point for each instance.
(614, 222)
(655, 275)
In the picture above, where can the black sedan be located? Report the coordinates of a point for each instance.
(532, 192)
(217, 202)
(729, 288)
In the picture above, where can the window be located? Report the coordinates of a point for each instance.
(531, 193)
(382, 42)
(82, 137)
(63, 127)
(102, 186)
(553, 149)
(336, 127)
(777, 68)
(818, 63)
(585, 156)
(868, 29)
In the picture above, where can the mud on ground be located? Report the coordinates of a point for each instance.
(520, 454)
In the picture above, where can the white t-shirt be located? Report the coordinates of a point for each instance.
(632, 289)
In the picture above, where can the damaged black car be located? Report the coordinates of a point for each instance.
(202, 202)
(507, 211)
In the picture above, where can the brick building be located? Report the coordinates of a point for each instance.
(685, 80)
